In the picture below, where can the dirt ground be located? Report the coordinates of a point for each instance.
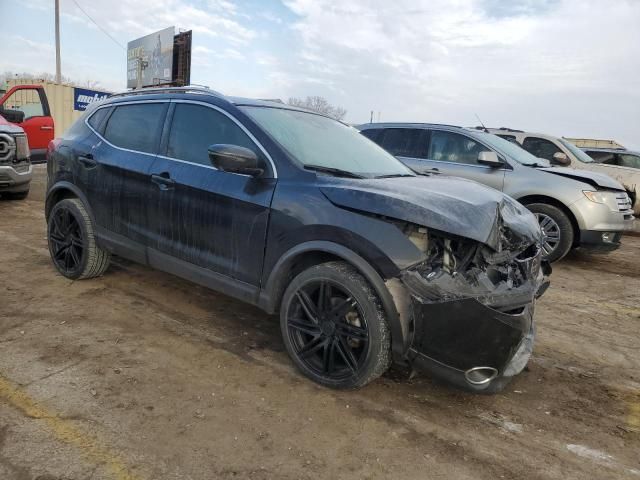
(140, 375)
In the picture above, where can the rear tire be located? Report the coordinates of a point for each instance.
(557, 229)
(72, 242)
(334, 327)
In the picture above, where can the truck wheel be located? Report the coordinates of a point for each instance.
(557, 230)
(72, 243)
(334, 328)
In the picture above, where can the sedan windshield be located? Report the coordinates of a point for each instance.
(512, 150)
(325, 145)
(579, 154)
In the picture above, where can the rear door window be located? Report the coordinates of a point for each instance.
(404, 142)
(96, 120)
(195, 127)
(136, 126)
(455, 148)
(540, 147)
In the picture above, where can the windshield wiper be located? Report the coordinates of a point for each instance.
(334, 171)
(394, 175)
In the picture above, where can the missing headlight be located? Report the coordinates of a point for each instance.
(459, 268)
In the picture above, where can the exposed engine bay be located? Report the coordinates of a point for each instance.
(459, 268)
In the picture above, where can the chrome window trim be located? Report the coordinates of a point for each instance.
(195, 102)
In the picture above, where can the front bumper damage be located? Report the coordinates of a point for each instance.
(471, 311)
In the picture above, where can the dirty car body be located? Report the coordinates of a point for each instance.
(454, 267)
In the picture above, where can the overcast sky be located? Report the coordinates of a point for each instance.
(565, 67)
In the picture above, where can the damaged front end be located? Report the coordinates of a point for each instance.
(472, 307)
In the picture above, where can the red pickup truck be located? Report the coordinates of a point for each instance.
(27, 107)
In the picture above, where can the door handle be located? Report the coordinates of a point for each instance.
(163, 181)
(432, 170)
(46, 127)
(87, 161)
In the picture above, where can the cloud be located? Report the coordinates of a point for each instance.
(127, 20)
(550, 65)
(567, 67)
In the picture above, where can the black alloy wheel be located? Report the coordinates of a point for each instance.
(72, 242)
(333, 327)
(328, 330)
(67, 245)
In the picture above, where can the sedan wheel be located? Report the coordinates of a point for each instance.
(551, 233)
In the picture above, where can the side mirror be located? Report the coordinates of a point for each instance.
(12, 116)
(560, 158)
(490, 159)
(235, 159)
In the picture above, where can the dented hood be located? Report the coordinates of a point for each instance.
(594, 179)
(449, 204)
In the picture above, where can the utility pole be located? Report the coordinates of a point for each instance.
(58, 70)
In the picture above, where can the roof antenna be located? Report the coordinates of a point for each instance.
(485, 128)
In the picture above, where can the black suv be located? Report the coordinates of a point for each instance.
(365, 261)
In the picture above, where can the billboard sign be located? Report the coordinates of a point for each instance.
(151, 59)
(83, 97)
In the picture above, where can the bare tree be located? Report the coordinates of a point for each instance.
(44, 77)
(320, 105)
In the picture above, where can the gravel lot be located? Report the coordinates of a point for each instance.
(140, 375)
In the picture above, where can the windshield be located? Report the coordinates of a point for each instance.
(579, 154)
(317, 141)
(512, 150)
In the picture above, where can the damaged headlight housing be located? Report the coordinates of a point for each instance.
(458, 268)
(417, 235)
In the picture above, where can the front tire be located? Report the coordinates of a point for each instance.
(72, 242)
(334, 327)
(557, 230)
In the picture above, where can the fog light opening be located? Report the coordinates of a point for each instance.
(480, 375)
(608, 237)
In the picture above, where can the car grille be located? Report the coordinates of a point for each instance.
(624, 202)
(7, 147)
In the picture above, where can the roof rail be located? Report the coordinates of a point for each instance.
(186, 89)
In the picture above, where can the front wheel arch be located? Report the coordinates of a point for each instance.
(321, 251)
(526, 200)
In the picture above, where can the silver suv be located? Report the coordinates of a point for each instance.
(574, 208)
(15, 165)
(562, 152)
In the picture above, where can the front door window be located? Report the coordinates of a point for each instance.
(455, 148)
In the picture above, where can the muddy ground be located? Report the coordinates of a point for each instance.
(141, 375)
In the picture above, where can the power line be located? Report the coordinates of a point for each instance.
(96, 24)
